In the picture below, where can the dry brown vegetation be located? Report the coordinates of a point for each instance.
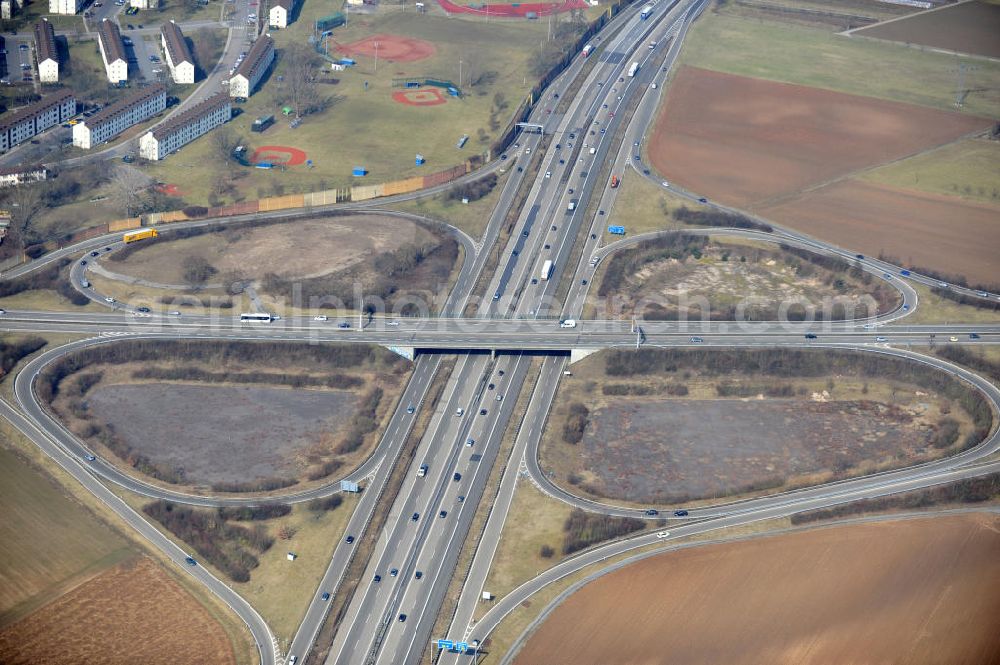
(670, 426)
(914, 591)
(148, 405)
(132, 613)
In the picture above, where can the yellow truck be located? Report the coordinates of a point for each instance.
(141, 234)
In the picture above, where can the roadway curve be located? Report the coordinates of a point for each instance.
(872, 482)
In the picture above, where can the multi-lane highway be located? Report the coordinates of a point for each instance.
(391, 615)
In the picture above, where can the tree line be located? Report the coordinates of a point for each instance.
(582, 529)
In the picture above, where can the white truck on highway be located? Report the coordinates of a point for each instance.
(633, 69)
(546, 269)
(567, 323)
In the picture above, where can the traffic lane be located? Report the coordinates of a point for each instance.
(395, 540)
(443, 544)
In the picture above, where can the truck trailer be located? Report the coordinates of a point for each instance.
(646, 12)
(633, 69)
(141, 234)
(546, 269)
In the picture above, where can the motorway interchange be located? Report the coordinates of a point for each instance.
(390, 617)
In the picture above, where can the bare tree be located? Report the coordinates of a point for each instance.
(299, 87)
(126, 184)
(25, 202)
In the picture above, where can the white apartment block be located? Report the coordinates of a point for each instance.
(281, 13)
(145, 4)
(20, 175)
(8, 9)
(253, 68)
(46, 52)
(64, 6)
(109, 40)
(200, 119)
(178, 55)
(20, 125)
(112, 120)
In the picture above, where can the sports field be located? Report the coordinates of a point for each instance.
(967, 27)
(919, 591)
(364, 125)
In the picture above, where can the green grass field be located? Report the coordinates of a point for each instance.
(642, 207)
(368, 128)
(817, 57)
(969, 169)
(471, 218)
(48, 541)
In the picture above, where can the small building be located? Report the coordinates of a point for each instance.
(185, 127)
(19, 126)
(46, 52)
(144, 4)
(109, 41)
(179, 59)
(253, 68)
(114, 119)
(8, 9)
(22, 175)
(65, 6)
(281, 13)
(262, 123)
(292, 556)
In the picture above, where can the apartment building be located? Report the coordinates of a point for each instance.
(109, 40)
(112, 120)
(20, 125)
(179, 59)
(46, 52)
(145, 4)
(22, 174)
(200, 119)
(253, 68)
(281, 13)
(65, 6)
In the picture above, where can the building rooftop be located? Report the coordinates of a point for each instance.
(14, 117)
(284, 4)
(255, 58)
(21, 168)
(135, 99)
(198, 110)
(177, 46)
(111, 38)
(45, 41)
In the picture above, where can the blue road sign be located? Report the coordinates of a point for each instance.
(462, 647)
(446, 644)
(617, 230)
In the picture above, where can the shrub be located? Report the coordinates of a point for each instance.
(546, 552)
(11, 351)
(583, 529)
(326, 503)
(576, 423)
(262, 512)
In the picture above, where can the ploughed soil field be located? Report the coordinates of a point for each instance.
(675, 277)
(756, 144)
(968, 27)
(745, 141)
(951, 234)
(921, 591)
(695, 448)
(237, 432)
(132, 613)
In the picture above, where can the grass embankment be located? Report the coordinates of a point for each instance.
(816, 57)
(969, 169)
(933, 308)
(470, 217)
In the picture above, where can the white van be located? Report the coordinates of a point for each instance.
(567, 323)
(593, 151)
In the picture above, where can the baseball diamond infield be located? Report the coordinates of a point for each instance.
(278, 154)
(422, 97)
(395, 48)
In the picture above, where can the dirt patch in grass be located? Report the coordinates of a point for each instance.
(684, 276)
(914, 591)
(133, 613)
(659, 449)
(743, 140)
(968, 27)
(318, 247)
(944, 233)
(216, 434)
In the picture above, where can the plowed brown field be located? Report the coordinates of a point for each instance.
(133, 613)
(948, 233)
(744, 140)
(909, 591)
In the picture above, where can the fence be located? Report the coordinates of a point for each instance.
(281, 203)
(124, 224)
